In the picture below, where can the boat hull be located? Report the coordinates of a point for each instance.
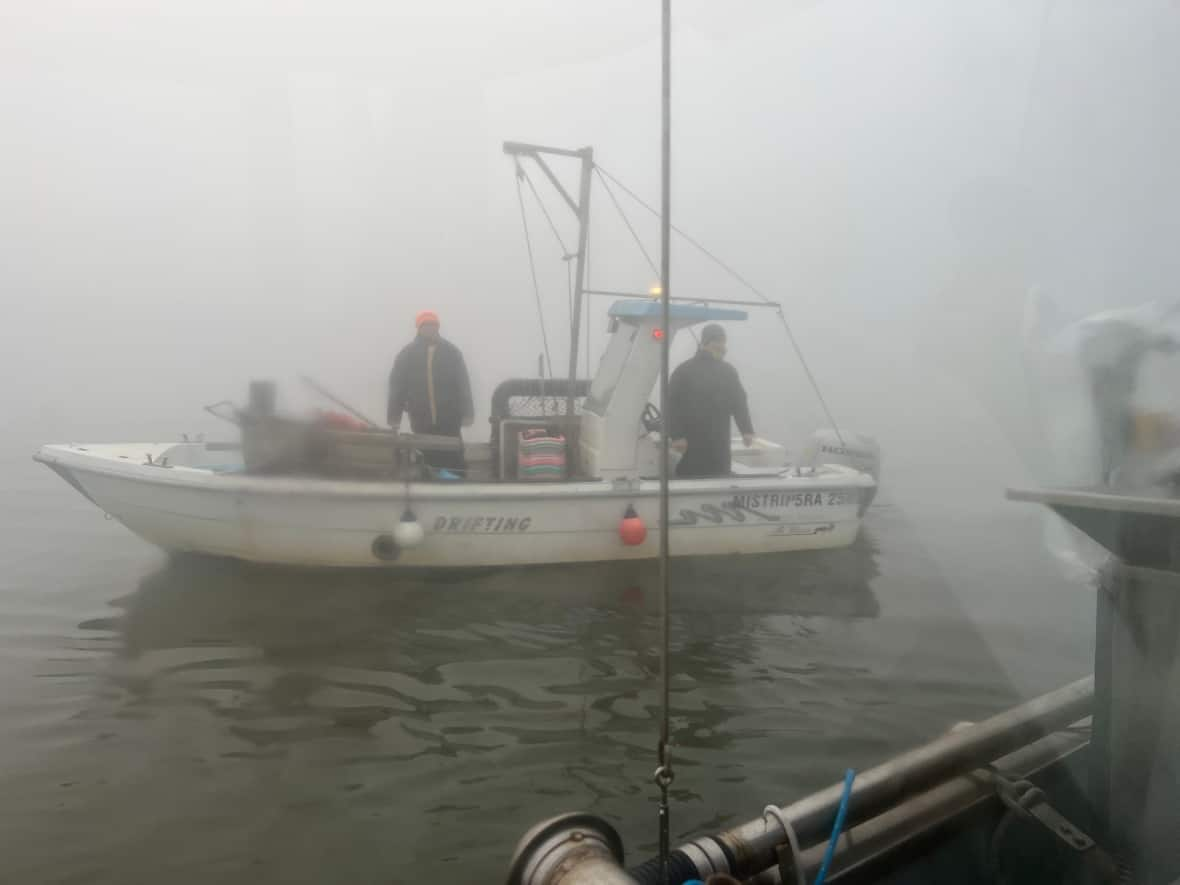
(321, 522)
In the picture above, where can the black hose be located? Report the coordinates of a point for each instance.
(680, 869)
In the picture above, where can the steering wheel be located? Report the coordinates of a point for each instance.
(653, 421)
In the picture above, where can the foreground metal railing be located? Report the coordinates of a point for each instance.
(577, 849)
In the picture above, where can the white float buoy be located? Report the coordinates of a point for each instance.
(408, 532)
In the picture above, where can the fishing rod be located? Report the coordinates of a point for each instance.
(327, 394)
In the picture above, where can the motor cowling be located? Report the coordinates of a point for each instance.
(847, 448)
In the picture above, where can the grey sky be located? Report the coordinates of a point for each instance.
(197, 194)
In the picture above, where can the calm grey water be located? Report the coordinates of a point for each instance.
(196, 721)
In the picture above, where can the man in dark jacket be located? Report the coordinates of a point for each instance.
(429, 380)
(704, 393)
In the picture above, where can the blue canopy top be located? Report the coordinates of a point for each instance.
(642, 309)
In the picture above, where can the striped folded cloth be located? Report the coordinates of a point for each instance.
(540, 455)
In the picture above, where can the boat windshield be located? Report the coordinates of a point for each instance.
(610, 369)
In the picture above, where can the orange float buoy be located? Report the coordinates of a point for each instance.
(632, 529)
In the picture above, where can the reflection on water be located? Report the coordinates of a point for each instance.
(280, 725)
(378, 715)
(461, 663)
(247, 725)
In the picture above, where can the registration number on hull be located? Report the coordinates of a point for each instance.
(759, 507)
(789, 500)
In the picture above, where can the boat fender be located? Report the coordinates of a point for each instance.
(385, 548)
(408, 532)
(632, 530)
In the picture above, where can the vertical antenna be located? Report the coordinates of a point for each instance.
(663, 775)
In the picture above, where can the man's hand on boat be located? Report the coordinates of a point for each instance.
(748, 439)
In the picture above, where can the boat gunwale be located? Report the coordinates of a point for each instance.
(199, 479)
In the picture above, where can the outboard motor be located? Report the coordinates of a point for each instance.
(855, 450)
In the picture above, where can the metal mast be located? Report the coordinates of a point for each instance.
(581, 209)
(663, 774)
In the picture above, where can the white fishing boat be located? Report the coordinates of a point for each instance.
(360, 498)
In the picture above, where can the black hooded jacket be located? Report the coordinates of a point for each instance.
(435, 392)
(704, 393)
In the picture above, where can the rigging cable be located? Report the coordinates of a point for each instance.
(750, 286)
(569, 291)
(520, 173)
(627, 221)
(565, 253)
(635, 236)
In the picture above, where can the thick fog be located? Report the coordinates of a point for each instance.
(194, 195)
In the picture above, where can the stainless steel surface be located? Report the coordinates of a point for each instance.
(1141, 530)
(591, 870)
(1096, 500)
(921, 814)
(706, 856)
(1134, 781)
(753, 844)
(572, 849)
(1137, 718)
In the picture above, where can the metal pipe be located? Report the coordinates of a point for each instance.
(573, 849)
(750, 848)
(664, 773)
(583, 211)
(593, 870)
(520, 148)
(557, 185)
(922, 814)
(717, 301)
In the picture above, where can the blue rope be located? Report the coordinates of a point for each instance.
(837, 827)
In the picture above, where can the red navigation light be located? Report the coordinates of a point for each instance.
(657, 334)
